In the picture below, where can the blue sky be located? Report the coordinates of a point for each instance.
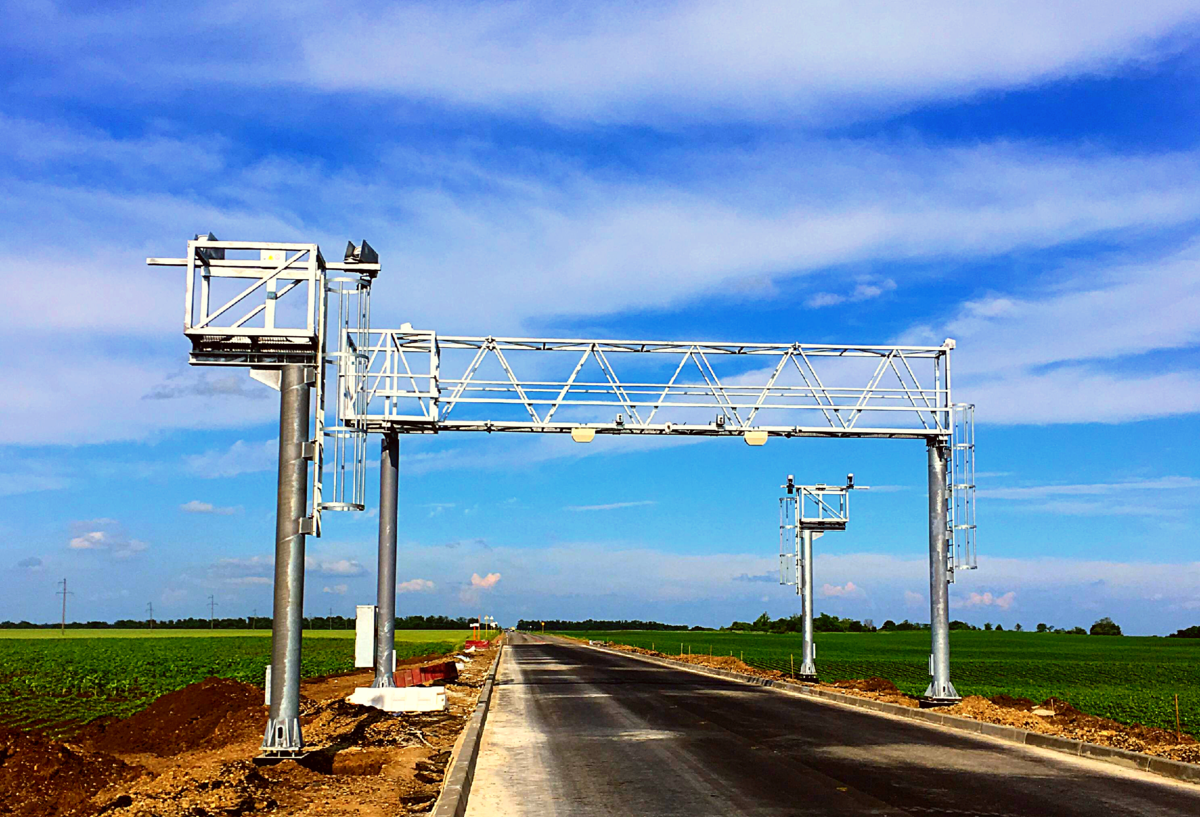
(1022, 177)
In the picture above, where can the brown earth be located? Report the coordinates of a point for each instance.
(190, 755)
(1006, 710)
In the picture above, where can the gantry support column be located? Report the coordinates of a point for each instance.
(940, 690)
(282, 737)
(808, 668)
(385, 616)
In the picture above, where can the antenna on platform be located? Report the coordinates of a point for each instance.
(806, 512)
(274, 317)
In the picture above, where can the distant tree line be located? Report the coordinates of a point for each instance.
(247, 623)
(601, 624)
(1188, 632)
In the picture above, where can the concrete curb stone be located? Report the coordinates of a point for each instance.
(452, 802)
(1177, 770)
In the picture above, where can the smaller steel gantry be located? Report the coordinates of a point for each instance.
(806, 512)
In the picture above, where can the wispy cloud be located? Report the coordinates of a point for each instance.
(861, 292)
(1041, 492)
(240, 458)
(334, 567)
(338, 589)
(627, 62)
(196, 506)
(612, 506)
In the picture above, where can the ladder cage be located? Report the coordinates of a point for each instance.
(348, 444)
(960, 516)
(789, 541)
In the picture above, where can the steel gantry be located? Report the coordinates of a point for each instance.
(280, 302)
(807, 512)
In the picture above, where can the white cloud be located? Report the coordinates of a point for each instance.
(334, 567)
(1069, 353)
(1002, 602)
(912, 599)
(338, 589)
(1040, 492)
(415, 586)
(804, 64)
(106, 536)
(93, 540)
(484, 581)
(196, 506)
(848, 590)
(239, 458)
(861, 292)
(611, 506)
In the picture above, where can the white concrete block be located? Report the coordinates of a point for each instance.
(401, 699)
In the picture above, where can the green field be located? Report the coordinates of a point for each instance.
(1133, 680)
(409, 635)
(63, 683)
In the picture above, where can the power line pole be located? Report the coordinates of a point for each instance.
(150, 612)
(254, 620)
(211, 606)
(64, 593)
(331, 618)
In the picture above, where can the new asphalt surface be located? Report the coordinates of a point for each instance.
(575, 731)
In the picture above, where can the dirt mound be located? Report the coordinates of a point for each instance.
(41, 777)
(872, 684)
(209, 713)
(1009, 702)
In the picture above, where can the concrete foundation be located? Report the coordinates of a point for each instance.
(400, 699)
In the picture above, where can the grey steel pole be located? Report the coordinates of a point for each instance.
(385, 616)
(282, 737)
(940, 690)
(808, 669)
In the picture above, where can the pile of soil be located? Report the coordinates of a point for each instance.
(209, 713)
(872, 684)
(39, 776)
(1068, 722)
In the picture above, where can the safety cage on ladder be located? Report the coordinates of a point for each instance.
(960, 494)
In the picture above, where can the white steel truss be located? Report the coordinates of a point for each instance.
(411, 385)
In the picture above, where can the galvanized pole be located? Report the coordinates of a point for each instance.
(282, 737)
(940, 690)
(808, 669)
(385, 617)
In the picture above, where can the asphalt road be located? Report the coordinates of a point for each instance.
(574, 731)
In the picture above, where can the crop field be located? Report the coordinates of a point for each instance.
(1128, 679)
(62, 683)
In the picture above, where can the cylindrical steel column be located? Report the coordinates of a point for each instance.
(282, 737)
(385, 615)
(940, 689)
(808, 668)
